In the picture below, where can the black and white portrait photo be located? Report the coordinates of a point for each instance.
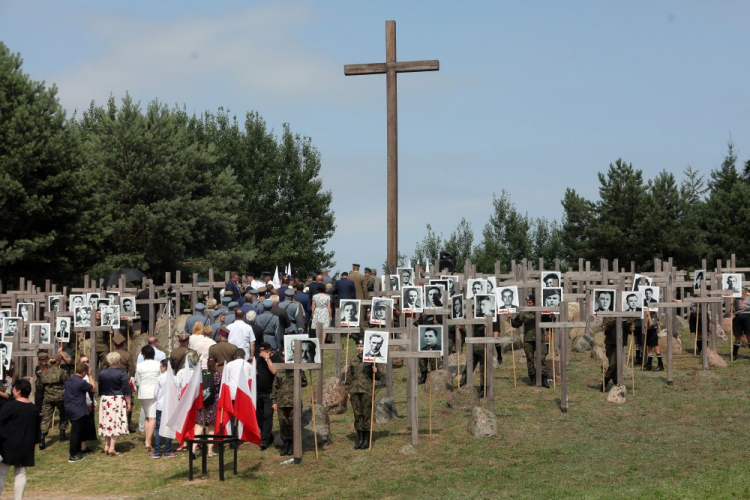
(474, 286)
(485, 305)
(76, 301)
(6, 351)
(431, 338)
(114, 297)
(39, 332)
(604, 300)
(406, 276)
(92, 299)
(632, 302)
(650, 296)
(452, 284)
(700, 275)
(640, 280)
(551, 297)
(376, 347)
(490, 284)
(349, 309)
(111, 316)
(83, 315)
(127, 304)
(25, 311)
(289, 345)
(434, 296)
(412, 299)
(394, 281)
(62, 329)
(379, 311)
(101, 303)
(10, 327)
(731, 283)
(457, 306)
(4, 313)
(507, 299)
(53, 303)
(551, 279)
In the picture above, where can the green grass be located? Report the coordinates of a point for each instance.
(685, 441)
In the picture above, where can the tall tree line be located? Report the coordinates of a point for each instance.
(152, 188)
(633, 220)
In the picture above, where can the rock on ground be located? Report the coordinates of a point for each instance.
(464, 398)
(574, 313)
(617, 394)
(676, 345)
(582, 343)
(715, 360)
(597, 353)
(482, 423)
(334, 396)
(682, 324)
(385, 411)
(440, 381)
(322, 426)
(408, 450)
(452, 361)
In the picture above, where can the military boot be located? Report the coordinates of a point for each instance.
(660, 365)
(63, 436)
(365, 440)
(423, 377)
(649, 364)
(499, 350)
(43, 443)
(603, 387)
(638, 358)
(735, 350)
(545, 380)
(360, 438)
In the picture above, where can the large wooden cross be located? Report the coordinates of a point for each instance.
(391, 67)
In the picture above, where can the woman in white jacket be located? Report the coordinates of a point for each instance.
(146, 374)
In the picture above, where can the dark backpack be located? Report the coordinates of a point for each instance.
(209, 393)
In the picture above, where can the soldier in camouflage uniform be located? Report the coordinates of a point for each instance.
(528, 320)
(282, 400)
(359, 377)
(53, 380)
(610, 343)
(42, 366)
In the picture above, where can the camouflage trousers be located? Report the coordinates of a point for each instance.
(362, 407)
(286, 423)
(478, 352)
(48, 408)
(428, 364)
(529, 349)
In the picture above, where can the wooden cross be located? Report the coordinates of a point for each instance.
(563, 325)
(391, 68)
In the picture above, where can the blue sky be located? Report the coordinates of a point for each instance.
(531, 97)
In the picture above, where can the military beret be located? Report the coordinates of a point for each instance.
(253, 291)
(233, 305)
(267, 304)
(290, 292)
(367, 269)
(361, 342)
(262, 289)
(223, 331)
(118, 338)
(42, 355)
(183, 336)
(311, 273)
(200, 306)
(219, 312)
(531, 297)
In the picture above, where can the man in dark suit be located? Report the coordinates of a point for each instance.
(233, 287)
(344, 287)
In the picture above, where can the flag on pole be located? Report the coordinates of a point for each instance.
(238, 384)
(170, 403)
(185, 414)
(289, 270)
(276, 280)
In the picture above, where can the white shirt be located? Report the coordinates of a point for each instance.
(158, 356)
(159, 390)
(241, 335)
(231, 374)
(201, 344)
(145, 378)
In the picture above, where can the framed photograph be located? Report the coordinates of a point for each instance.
(434, 296)
(379, 311)
(101, 304)
(474, 286)
(699, 276)
(376, 346)
(54, 302)
(650, 296)
(406, 276)
(114, 297)
(551, 279)
(731, 283)
(127, 303)
(431, 338)
(92, 299)
(4, 313)
(349, 311)
(39, 332)
(412, 299)
(62, 329)
(485, 304)
(83, 316)
(289, 345)
(10, 327)
(507, 299)
(641, 280)
(452, 284)
(6, 351)
(76, 301)
(490, 284)
(25, 311)
(551, 297)
(604, 300)
(632, 302)
(394, 283)
(457, 307)
(111, 316)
